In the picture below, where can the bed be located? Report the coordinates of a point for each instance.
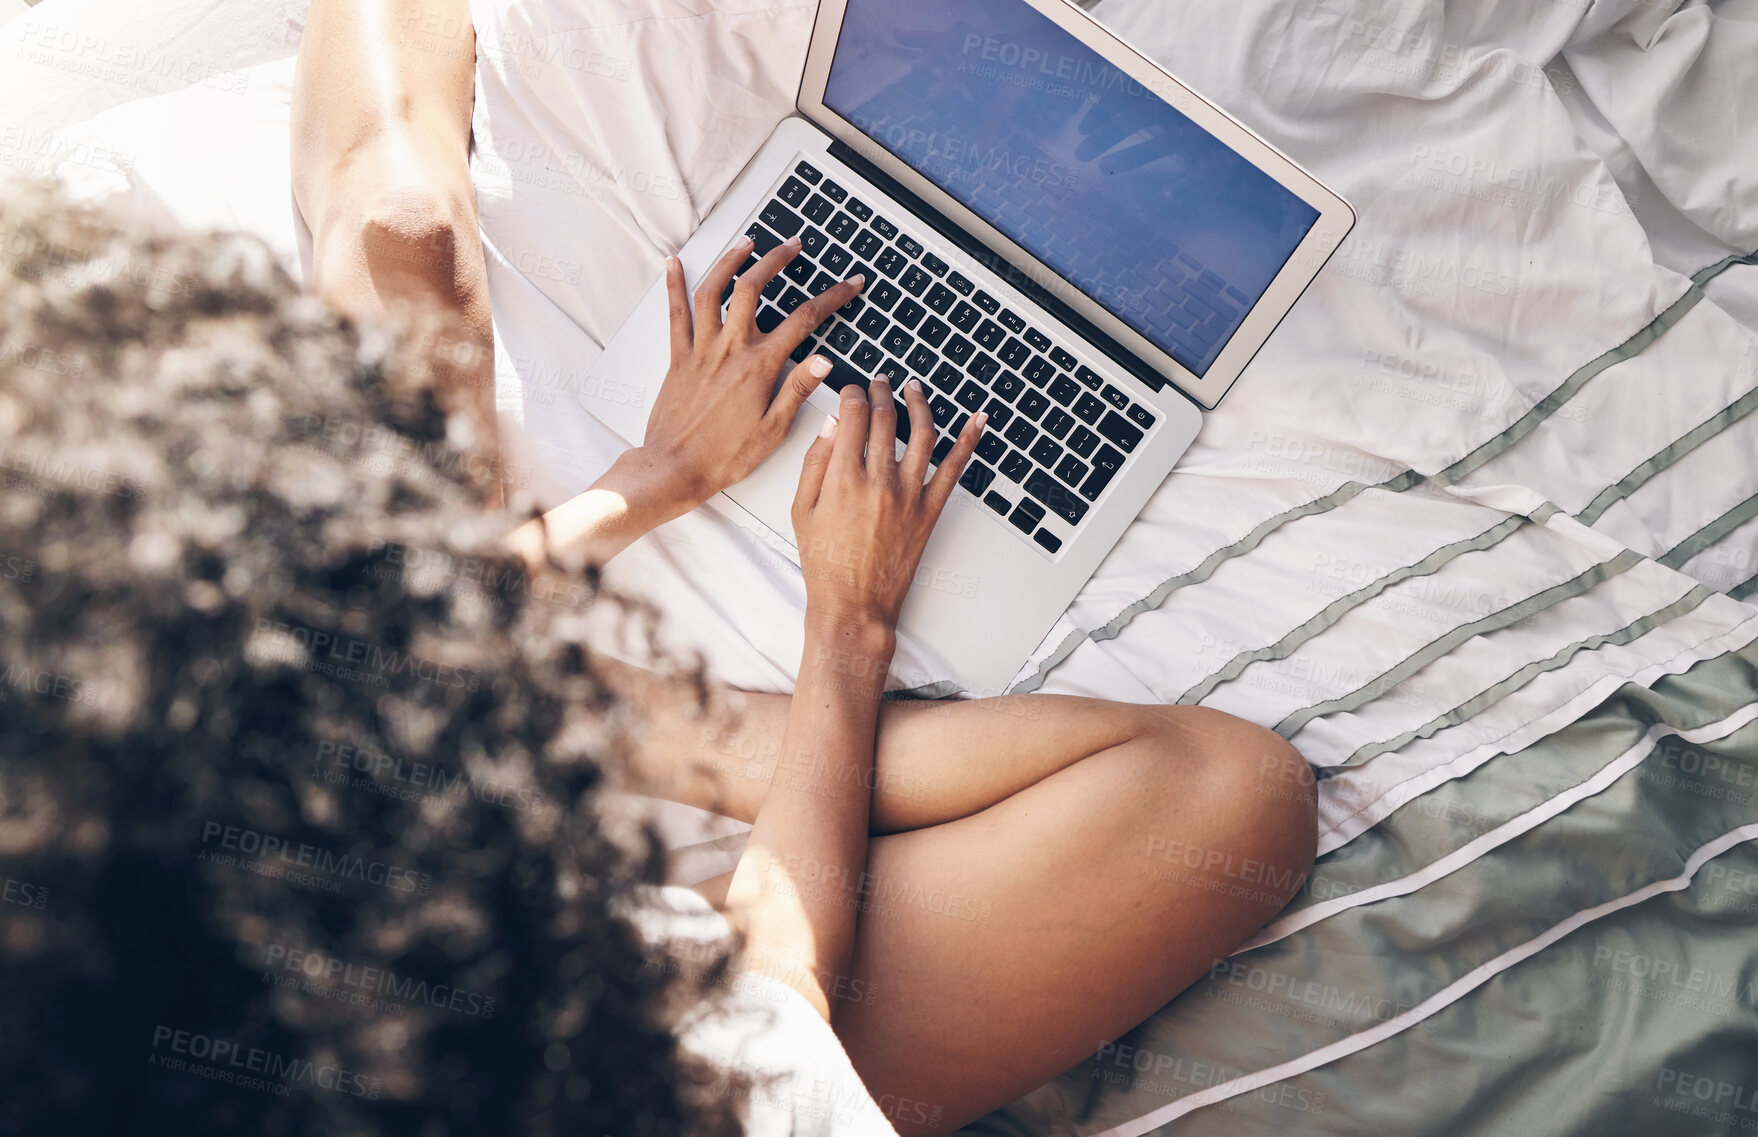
(1477, 530)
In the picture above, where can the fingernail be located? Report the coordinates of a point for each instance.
(792, 242)
(828, 427)
(884, 377)
(982, 419)
(858, 278)
(913, 385)
(746, 242)
(818, 366)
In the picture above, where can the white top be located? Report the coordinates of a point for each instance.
(805, 1085)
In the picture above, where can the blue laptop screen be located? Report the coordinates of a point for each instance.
(1155, 219)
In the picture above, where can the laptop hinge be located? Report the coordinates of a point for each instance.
(1002, 267)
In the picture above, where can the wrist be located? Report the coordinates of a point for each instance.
(852, 626)
(655, 483)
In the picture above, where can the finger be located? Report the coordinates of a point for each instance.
(922, 435)
(795, 390)
(743, 311)
(940, 485)
(793, 331)
(709, 290)
(882, 445)
(812, 467)
(851, 431)
(681, 335)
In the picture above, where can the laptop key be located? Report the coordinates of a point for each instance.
(999, 414)
(1046, 452)
(843, 338)
(1063, 358)
(843, 227)
(1047, 539)
(960, 283)
(958, 349)
(891, 263)
(836, 260)
(1056, 497)
(884, 228)
(1063, 390)
(1141, 416)
(933, 330)
(762, 240)
(818, 209)
(1026, 514)
(822, 283)
(768, 319)
(984, 366)
(944, 411)
(909, 313)
(1105, 466)
(976, 478)
(1082, 441)
(1091, 378)
(791, 299)
(991, 447)
(833, 191)
(1008, 385)
(990, 334)
(1022, 433)
(781, 219)
(964, 317)
(800, 270)
(948, 378)
(1057, 422)
(776, 286)
(1033, 404)
(884, 294)
(934, 264)
(970, 396)
(852, 309)
(812, 242)
(841, 373)
(922, 360)
(941, 450)
(898, 342)
(915, 281)
(1037, 339)
(1011, 320)
(859, 208)
(940, 298)
(873, 324)
(807, 171)
(986, 302)
(1071, 470)
(1118, 429)
(997, 502)
(793, 191)
(1014, 353)
(1014, 468)
(806, 347)
(866, 356)
(1039, 370)
(1115, 397)
(1089, 409)
(866, 245)
(903, 420)
(910, 246)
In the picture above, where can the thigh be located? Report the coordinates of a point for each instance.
(995, 951)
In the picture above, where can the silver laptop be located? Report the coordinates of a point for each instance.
(1053, 230)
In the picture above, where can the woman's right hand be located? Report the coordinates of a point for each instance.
(862, 516)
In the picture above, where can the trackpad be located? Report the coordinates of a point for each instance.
(768, 494)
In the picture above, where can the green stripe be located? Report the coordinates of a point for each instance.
(1697, 436)
(1705, 275)
(1496, 692)
(1513, 613)
(1336, 610)
(1451, 474)
(1711, 533)
(1741, 591)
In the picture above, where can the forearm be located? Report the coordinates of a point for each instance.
(796, 889)
(637, 494)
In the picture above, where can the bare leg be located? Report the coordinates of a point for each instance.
(1047, 871)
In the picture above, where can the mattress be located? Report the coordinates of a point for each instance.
(1476, 530)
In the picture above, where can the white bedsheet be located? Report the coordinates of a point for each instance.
(1497, 461)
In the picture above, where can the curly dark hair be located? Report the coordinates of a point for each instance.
(302, 780)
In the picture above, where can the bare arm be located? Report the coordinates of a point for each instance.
(862, 517)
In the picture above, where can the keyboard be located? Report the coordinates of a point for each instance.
(1058, 433)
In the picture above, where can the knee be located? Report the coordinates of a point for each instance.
(1260, 792)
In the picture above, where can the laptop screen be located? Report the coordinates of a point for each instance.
(1155, 219)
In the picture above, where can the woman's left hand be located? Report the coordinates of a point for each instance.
(719, 414)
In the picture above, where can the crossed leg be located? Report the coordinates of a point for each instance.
(1046, 871)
